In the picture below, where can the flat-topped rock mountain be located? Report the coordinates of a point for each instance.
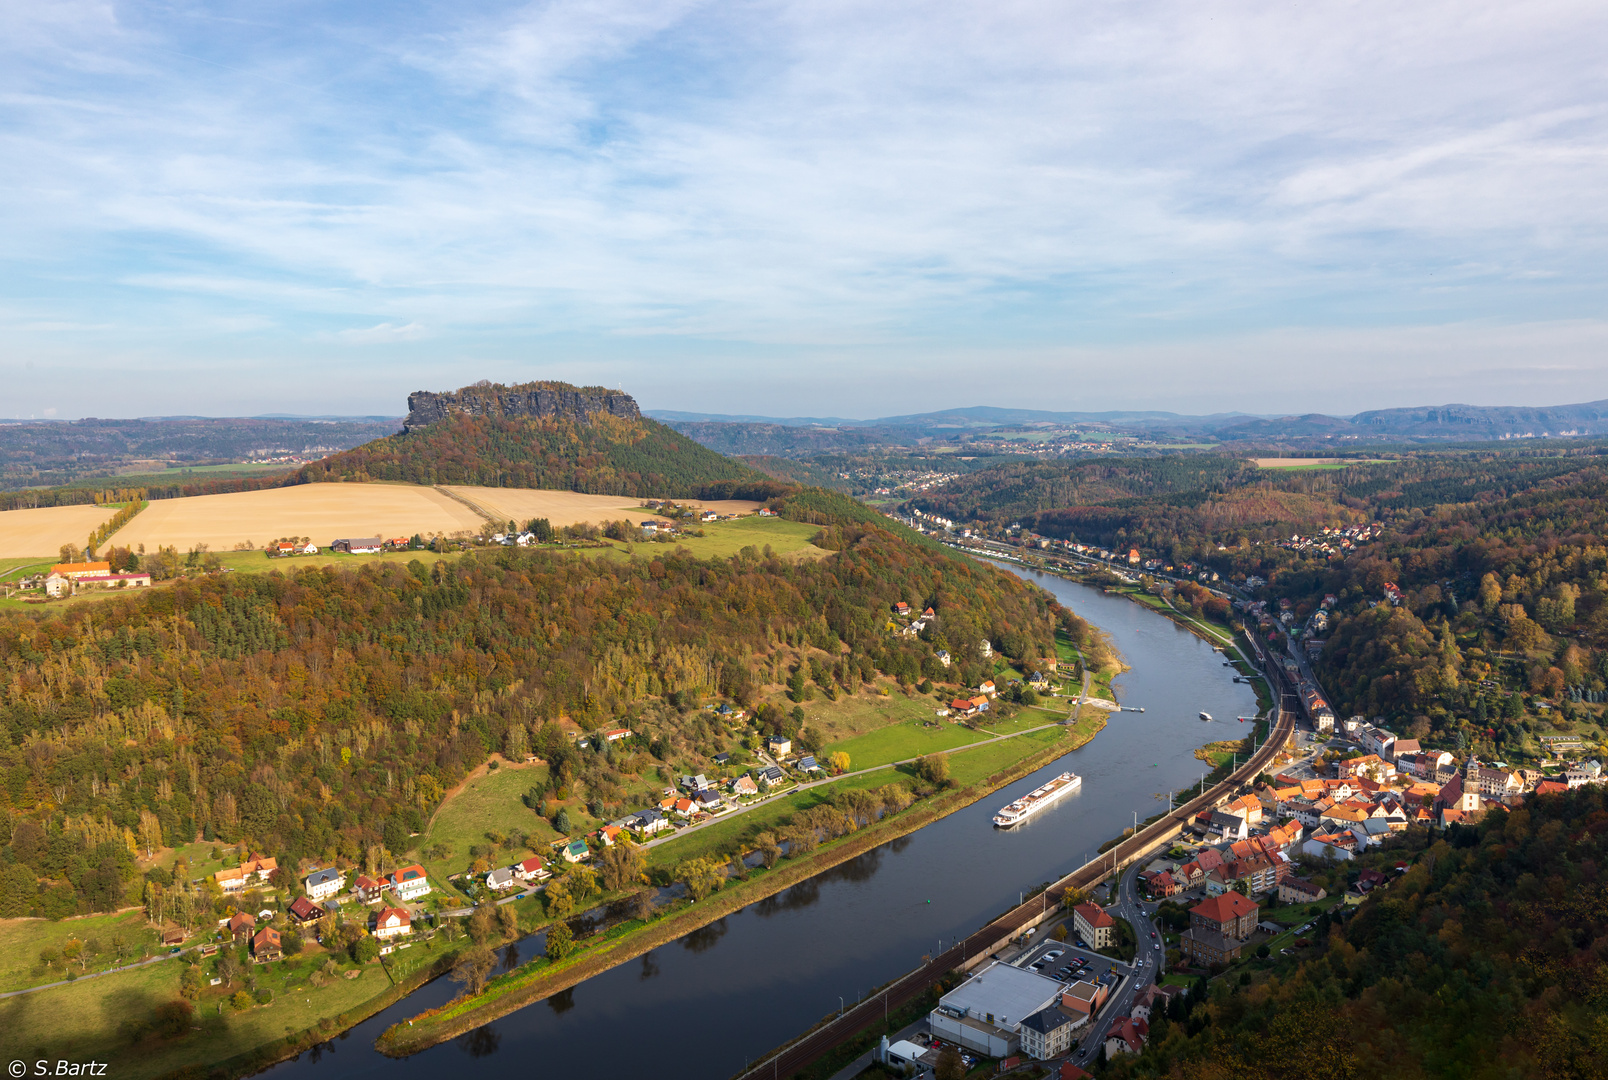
(535, 399)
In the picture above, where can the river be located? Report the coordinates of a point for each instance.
(706, 1005)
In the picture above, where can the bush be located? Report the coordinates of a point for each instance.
(241, 1001)
(264, 995)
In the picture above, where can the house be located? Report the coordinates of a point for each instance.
(962, 706)
(57, 586)
(651, 821)
(987, 687)
(365, 545)
(392, 922)
(1094, 925)
(617, 734)
(1227, 826)
(231, 880)
(242, 924)
(500, 878)
(115, 581)
(1210, 947)
(944, 658)
(75, 570)
(979, 704)
(256, 865)
(1126, 1036)
(1230, 914)
(685, 807)
(1159, 884)
(576, 851)
(771, 776)
(708, 800)
(303, 910)
(610, 833)
(532, 869)
(722, 758)
(173, 935)
(410, 882)
(901, 608)
(779, 745)
(323, 884)
(266, 947)
(807, 763)
(1133, 556)
(744, 785)
(708, 515)
(368, 889)
(1047, 1033)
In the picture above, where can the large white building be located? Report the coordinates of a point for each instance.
(323, 884)
(985, 1012)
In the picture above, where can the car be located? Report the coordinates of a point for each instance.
(1152, 935)
(1158, 946)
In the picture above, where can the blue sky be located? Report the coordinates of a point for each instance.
(802, 208)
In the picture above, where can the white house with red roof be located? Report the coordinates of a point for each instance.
(392, 922)
(410, 882)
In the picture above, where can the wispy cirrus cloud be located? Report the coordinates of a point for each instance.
(670, 188)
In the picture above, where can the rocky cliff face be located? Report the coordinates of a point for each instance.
(527, 399)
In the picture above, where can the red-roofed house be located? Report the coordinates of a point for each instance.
(1126, 1036)
(392, 922)
(368, 889)
(1094, 925)
(1230, 914)
(265, 946)
(410, 882)
(532, 869)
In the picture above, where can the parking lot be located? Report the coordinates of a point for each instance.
(1062, 959)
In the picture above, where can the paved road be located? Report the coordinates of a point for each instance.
(806, 1049)
(678, 834)
(1146, 968)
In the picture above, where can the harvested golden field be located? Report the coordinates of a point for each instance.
(323, 512)
(571, 507)
(43, 531)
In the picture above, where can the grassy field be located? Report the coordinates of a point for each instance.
(790, 539)
(22, 939)
(904, 739)
(489, 803)
(81, 1022)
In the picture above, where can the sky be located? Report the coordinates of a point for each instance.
(810, 208)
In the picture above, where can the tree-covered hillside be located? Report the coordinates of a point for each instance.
(604, 455)
(315, 713)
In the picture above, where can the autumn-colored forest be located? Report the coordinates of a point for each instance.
(316, 712)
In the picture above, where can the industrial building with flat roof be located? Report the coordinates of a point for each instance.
(985, 1012)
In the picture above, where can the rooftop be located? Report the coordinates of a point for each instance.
(1009, 994)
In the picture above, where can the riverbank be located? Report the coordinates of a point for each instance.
(540, 979)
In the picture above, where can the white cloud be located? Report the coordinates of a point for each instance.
(1005, 180)
(382, 334)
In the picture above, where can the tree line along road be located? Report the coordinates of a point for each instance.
(800, 1053)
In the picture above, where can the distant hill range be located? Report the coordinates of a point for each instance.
(51, 452)
(801, 436)
(544, 435)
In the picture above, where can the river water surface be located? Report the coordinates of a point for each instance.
(704, 1006)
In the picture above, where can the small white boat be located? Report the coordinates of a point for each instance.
(1036, 800)
(1206, 716)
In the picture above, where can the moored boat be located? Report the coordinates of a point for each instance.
(1019, 811)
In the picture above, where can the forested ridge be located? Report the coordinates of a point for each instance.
(314, 713)
(604, 455)
(1488, 957)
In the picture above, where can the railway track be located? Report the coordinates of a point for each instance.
(813, 1044)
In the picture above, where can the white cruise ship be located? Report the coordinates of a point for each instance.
(1036, 800)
